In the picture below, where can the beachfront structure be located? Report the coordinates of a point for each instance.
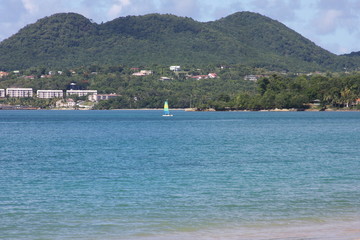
(81, 93)
(19, 92)
(2, 93)
(50, 93)
(66, 103)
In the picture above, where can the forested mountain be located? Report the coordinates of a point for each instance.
(71, 40)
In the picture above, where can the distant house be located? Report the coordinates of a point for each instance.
(45, 76)
(143, 73)
(212, 75)
(224, 67)
(315, 102)
(29, 77)
(73, 86)
(3, 74)
(175, 68)
(251, 78)
(2, 93)
(19, 92)
(198, 77)
(165, 79)
(49, 93)
(68, 103)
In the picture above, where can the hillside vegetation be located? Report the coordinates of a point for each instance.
(69, 40)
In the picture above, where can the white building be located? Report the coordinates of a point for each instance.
(2, 93)
(251, 78)
(50, 94)
(19, 92)
(66, 103)
(165, 79)
(81, 93)
(99, 97)
(143, 73)
(175, 68)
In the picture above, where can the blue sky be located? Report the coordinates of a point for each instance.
(331, 24)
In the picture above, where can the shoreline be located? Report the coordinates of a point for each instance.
(12, 108)
(269, 110)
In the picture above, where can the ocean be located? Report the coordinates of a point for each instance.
(197, 175)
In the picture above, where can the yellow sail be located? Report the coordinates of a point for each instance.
(166, 109)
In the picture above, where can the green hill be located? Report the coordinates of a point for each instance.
(71, 40)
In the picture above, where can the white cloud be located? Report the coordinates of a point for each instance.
(189, 8)
(327, 21)
(333, 15)
(117, 8)
(283, 10)
(31, 6)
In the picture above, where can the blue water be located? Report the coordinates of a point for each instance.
(197, 175)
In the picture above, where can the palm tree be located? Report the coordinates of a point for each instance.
(347, 97)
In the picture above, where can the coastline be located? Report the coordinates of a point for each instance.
(10, 107)
(268, 110)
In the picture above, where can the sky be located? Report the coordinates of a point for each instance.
(331, 24)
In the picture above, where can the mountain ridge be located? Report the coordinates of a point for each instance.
(70, 40)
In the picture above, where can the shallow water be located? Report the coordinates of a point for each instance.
(197, 175)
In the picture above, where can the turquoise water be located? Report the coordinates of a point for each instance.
(197, 175)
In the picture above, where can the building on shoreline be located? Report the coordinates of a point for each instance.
(28, 92)
(66, 103)
(19, 92)
(50, 93)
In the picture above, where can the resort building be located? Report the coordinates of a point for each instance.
(99, 97)
(81, 93)
(50, 94)
(2, 93)
(19, 92)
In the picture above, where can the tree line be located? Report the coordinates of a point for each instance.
(229, 91)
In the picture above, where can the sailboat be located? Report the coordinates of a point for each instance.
(166, 110)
